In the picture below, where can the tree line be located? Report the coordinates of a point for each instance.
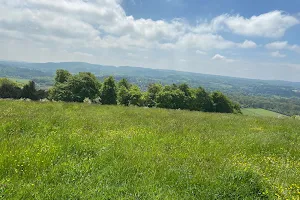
(85, 86)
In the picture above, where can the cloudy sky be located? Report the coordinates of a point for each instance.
(243, 38)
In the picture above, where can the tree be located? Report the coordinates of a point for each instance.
(201, 101)
(61, 92)
(188, 95)
(29, 91)
(124, 82)
(171, 99)
(221, 103)
(123, 96)
(9, 89)
(75, 88)
(135, 96)
(62, 76)
(151, 94)
(109, 92)
(83, 85)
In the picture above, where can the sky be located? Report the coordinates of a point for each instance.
(240, 38)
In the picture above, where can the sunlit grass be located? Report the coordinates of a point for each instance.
(261, 112)
(81, 151)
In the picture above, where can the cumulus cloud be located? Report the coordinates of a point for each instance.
(69, 29)
(277, 54)
(248, 44)
(221, 58)
(281, 45)
(104, 23)
(272, 24)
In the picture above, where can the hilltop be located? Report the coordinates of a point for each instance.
(83, 151)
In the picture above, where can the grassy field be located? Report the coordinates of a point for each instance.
(261, 112)
(81, 151)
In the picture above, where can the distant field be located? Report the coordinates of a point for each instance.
(81, 151)
(260, 112)
(22, 81)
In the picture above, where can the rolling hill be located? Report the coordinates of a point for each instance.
(82, 151)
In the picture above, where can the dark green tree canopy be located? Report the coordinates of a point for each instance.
(201, 101)
(62, 76)
(29, 91)
(221, 103)
(9, 89)
(78, 87)
(109, 92)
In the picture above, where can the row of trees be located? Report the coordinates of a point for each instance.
(77, 88)
(10, 89)
(82, 86)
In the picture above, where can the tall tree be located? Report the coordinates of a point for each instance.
(83, 85)
(123, 96)
(29, 91)
(75, 88)
(135, 95)
(62, 76)
(151, 94)
(109, 92)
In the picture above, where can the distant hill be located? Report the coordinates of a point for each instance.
(144, 76)
(278, 96)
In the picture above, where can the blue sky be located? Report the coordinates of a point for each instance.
(249, 38)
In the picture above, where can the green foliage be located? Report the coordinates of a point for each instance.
(29, 91)
(151, 95)
(135, 96)
(221, 103)
(171, 99)
(74, 88)
(62, 76)
(123, 96)
(109, 92)
(9, 89)
(124, 82)
(81, 151)
(84, 85)
(201, 101)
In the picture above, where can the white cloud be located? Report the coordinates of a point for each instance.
(277, 54)
(201, 52)
(104, 23)
(280, 45)
(272, 24)
(248, 44)
(221, 58)
(70, 28)
(182, 60)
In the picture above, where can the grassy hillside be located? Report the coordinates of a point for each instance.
(81, 151)
(260, 112)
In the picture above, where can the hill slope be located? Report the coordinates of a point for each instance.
(80, 151)
(146, 75)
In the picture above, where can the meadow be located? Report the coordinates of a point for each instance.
(82, 151)
(261, 112)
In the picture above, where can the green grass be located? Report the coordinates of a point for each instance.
(81, 151)
(20, 81)
(261, 112)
